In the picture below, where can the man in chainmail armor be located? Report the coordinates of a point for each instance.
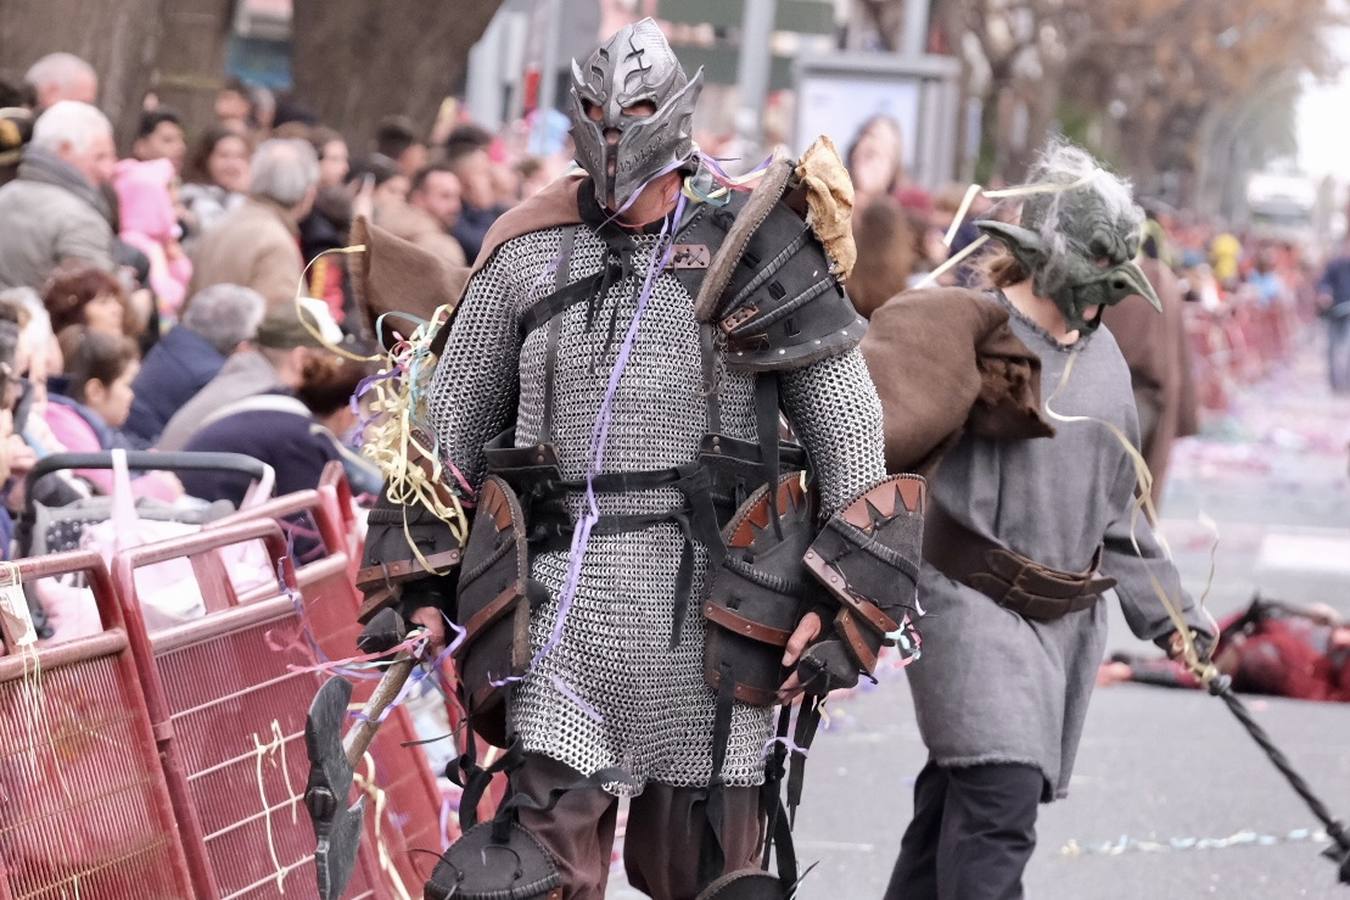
(650, 569)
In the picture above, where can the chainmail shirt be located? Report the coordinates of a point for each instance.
(643, 706)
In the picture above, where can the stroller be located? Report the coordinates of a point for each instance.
(58, 516)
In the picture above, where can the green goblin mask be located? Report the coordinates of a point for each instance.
(1079, 245)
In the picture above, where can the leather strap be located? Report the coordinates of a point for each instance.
(1013, 581)
(712, 853)
(560, 276)
(497, 607)
(766, 421)
(403, 569)
(837, 585)
(808, 720)
(378, 583)
(846, 624)
(560, 300)
(739, 624)
(708, 352)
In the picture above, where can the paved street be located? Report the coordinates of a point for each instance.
(1155, 764)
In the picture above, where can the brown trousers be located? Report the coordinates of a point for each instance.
(662, 841)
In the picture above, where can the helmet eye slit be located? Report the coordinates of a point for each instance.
(642, 109)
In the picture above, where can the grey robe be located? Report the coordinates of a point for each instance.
(991, 686)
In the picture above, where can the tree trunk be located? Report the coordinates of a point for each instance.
(192, 65)
(120, 40)
(987, 163)
(357, 61)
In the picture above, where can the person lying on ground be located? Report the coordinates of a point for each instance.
(1271, 648)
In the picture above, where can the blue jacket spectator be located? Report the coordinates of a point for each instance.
(275, 428)
(216, 322)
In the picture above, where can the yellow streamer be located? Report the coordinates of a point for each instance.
(366, 784)
(971, 193)
(389, 440)
(952, 262)
(19, 627)
(273, 748)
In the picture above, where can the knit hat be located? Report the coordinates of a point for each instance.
(145, 205)
(281, 328)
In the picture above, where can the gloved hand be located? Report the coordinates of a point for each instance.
(827, 666)
(382, 633)
(1174, 646)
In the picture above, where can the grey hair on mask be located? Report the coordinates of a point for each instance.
(1075, 183)
(225, 315)
(284, 170)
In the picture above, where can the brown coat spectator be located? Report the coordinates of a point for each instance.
(417, 226)
(258, 244)
(426, 217)
(1156, 349)
(885, 242)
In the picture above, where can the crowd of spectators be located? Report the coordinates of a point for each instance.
(176, 293)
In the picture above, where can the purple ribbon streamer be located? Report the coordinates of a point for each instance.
(721, 175)
(419, 674)
(566, 690)
(600, 433)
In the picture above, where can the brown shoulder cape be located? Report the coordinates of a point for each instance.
(396, 276)
(945, 362)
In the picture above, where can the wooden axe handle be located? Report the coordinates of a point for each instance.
(363, 732)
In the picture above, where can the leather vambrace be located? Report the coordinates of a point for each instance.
(867, 557)
(391, 573)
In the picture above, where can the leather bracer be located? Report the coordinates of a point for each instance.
(391, 573)
(756, 598)
(867, 557)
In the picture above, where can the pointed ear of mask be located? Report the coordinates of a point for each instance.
(1025, 244)
(1138, 281)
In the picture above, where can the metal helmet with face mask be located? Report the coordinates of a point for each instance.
(621, 147)
(1080, 232)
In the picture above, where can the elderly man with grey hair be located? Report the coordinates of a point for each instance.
(258, 244)
(219, 321)
(62, 76)
(55, 209)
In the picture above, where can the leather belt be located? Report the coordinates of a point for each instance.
(1009, 579)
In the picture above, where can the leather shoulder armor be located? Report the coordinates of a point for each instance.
(770, 291)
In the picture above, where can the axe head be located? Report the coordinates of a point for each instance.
(337, 826)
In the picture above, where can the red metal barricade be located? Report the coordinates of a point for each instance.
(338, 525)
(85, 811)
(412, 807)
(228, 715)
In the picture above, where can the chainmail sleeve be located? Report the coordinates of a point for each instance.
(473, 394)
(833, 407)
